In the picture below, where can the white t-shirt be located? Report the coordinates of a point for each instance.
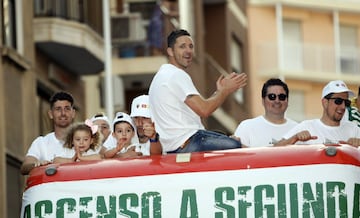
(45, 147)
(326, 134)
(111, 142)
(259, 132)
(70, 152)
(174, 120)
(144, 148)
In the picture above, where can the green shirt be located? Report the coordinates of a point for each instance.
(354, 115)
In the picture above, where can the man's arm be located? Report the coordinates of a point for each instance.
(300, 136)
(355, 142)
(225, 86)
(30, 163)
(150, 132)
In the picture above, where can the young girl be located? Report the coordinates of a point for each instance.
(124, 131)
(82, 143)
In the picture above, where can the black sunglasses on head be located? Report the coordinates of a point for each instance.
(272, 97)
(339, 101)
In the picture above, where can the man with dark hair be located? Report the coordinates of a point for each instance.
(328, 129)
(267, 129)
(44, 148)
(177, 107)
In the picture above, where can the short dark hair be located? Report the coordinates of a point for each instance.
(274, 82)
(61, 96)
(171, 39)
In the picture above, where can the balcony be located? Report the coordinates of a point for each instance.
(61, 33)
(308, 62)
(326, 5)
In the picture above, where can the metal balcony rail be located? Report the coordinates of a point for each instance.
(308, 58)
(71, 10)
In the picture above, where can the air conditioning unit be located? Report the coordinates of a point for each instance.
(126, 28)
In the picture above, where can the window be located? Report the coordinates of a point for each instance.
(237, 65)
(73, 10)
(9, 23)
(292, 45)
(349, 50)
(296, 109)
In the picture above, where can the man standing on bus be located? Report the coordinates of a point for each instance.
(177, 106)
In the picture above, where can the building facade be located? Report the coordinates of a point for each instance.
(51, 45)
(46, 46)
(306, 43)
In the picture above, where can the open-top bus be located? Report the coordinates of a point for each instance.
(291, 181)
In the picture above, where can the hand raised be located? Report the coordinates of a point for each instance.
(231, 82)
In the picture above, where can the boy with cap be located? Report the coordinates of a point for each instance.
(146, 134)
(124, 130)
(329, 128)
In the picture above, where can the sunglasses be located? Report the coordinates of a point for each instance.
(339, 101)
(272, 97)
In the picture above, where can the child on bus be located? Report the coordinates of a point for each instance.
(82, 143)
(124, 130)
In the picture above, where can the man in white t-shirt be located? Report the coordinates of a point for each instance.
(177, 107)
(44, 148)
(267, 129)
(328, 129)
(141, 115)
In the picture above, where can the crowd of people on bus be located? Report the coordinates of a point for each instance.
(173, 125)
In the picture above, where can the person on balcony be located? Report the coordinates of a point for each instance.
(177, 107)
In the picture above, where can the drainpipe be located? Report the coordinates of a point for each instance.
(186, 15)
(280, 39)
(337, 42)
(107, 62)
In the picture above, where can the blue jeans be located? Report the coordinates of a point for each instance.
(204, 140)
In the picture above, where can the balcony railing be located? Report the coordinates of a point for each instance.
(71, 10)
(308, 58)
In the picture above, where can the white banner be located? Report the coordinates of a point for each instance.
(323, 190)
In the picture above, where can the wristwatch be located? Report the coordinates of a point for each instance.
(156, 139)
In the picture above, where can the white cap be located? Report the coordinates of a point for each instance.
(140, 107)
(100, 116)
(336, 86)
(123, 117)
